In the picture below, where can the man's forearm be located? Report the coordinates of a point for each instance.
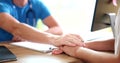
(29, 33)
(101, 45)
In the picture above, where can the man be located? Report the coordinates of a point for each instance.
(18, 16)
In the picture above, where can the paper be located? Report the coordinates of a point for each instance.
(45, 48)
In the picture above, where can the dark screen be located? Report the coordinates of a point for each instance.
(101, 19)
(6, 54)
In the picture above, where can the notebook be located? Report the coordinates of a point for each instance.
(6, 54)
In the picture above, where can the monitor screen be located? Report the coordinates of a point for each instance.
(101, 19)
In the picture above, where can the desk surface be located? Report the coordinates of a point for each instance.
(29, 56)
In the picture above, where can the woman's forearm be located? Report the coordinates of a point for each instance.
(92, 56)
(101, 45)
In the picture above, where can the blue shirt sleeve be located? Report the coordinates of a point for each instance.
(41, 9)
(4, 8)
(4, 35)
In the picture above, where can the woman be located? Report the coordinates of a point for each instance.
(91, 52)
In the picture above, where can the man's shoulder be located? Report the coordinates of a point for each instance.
(5, 6)
(36, 2)
(5, 2)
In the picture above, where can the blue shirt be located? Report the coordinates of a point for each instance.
(39, 11)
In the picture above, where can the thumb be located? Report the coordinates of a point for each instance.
(57, 51)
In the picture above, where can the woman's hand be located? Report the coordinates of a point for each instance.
(66, 49)
(70, 50)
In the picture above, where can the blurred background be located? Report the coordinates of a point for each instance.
(80, 16)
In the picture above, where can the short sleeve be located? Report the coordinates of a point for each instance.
(42, 10)
(117, 46)
(4, 8)
(117, 34)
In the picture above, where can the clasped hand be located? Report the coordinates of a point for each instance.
(68, 41)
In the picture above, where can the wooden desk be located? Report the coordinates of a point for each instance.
(29, 56)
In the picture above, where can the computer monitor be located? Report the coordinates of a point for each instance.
(101, 19)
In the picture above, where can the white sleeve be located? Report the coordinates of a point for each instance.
(117, 34)
(117, 45)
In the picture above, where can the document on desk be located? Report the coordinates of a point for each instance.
(44, 48)
(96, 36)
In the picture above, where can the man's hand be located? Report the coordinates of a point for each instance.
(68, 40)
(17, 39)
(71, 40)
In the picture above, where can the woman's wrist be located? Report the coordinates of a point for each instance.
(77, 52)
(83, 45)
(78, 49)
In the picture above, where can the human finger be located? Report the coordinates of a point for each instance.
(57, 51)
(72, 39)
(69, 43)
